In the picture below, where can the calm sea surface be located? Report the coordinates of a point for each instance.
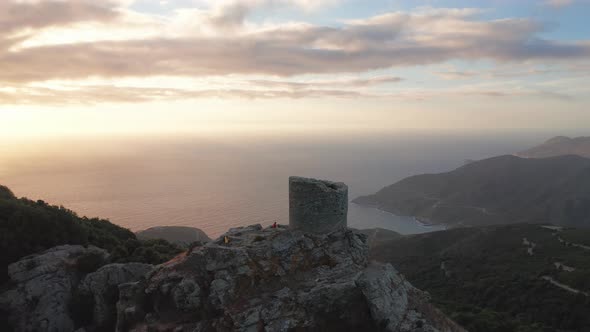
(222, 182)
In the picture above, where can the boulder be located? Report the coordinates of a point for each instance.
(102, 287)
(44, 284)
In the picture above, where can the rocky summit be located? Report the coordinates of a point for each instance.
(249, 279)
(276, 279)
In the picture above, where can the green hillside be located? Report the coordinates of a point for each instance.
(499, 278)
(27, 227)
(379, 235)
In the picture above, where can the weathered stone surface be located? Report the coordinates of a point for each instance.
(317, 206)
(276, 279)
(44, 284)
(129, 306)
(102, 286)
(249, 279)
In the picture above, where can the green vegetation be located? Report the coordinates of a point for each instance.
(154, 251)
(183, 236)
(27, 227)
(486, 279)
(579, 236)
(377, 236)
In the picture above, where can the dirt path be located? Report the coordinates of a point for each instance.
(563, 286)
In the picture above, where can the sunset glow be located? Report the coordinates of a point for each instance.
(71, 67)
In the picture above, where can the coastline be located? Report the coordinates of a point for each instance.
(421, 222)
(427, 223)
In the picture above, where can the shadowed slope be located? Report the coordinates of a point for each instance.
(504, 189)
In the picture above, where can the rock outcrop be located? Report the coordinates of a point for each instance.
(64, 288)
(276, 279)
(44, 287)
(250, 279)
(102, 287)
(312, 276)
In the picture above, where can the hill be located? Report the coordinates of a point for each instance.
(504, 189)
(379, 235)
(249, 279)
(500, 278)
(180, 235)
(559, 146)
(27, 227)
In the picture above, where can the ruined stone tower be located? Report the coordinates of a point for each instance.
(317, 206)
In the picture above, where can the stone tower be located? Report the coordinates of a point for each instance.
(317, 206)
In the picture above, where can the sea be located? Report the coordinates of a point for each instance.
(215, 182)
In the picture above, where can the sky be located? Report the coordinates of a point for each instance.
(85, 67)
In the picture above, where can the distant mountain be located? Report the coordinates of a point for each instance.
(500, 278)
(499, 190)
(559, 146)
(179, 235)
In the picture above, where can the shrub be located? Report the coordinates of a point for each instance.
(28, 227)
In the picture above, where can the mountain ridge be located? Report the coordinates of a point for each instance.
(557, 146)
(497, 190)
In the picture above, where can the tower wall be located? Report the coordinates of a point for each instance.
(317, 206)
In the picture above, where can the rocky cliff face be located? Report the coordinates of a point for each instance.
(250, 279)
(57, 290)
(275, 279)
(44, 286)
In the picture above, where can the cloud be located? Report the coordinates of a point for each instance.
(100, 94)
(307, 5)
(222, 16)
(509, 72)
(90, 95)
(386, 41)
(345, 83)
(17, 16)
(558, 3)
(456, 75)
(222, 42)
